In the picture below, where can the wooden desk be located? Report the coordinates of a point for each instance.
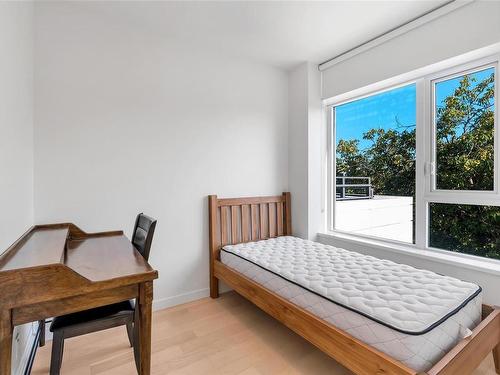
(58, 269)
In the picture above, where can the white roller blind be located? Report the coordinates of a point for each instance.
(473, 26)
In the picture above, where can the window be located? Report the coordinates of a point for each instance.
(470, 229)
(464, 131)
(418, 163)
(375, 159)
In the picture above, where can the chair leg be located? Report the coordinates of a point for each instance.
(130, 333)
(57, 353)
(42, 332)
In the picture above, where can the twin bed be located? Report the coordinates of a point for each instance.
(373, 316)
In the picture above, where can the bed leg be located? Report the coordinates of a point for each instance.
(214, 245)
(496, 358)
(214, 287)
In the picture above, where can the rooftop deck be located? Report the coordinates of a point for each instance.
(389, 217)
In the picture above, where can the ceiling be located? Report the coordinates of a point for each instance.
(280, 33)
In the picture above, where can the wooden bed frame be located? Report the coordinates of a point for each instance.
(237, 220)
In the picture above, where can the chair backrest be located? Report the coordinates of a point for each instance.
(142, 237)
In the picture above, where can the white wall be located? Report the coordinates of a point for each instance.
(16, 120)
(16, 139)
(305, 149)
(470, 27)
(129, 121)
(298, 148)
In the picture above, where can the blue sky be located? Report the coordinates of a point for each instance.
(377, 111)
(381, 110)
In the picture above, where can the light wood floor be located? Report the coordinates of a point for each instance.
(224, 336)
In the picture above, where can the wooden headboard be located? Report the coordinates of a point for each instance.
(237, 220)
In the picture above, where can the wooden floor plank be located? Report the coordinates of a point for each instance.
(228, 335)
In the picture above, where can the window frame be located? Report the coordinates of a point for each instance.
(425, 151)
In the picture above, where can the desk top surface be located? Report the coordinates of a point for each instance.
(95, 257)
(103, 258)
(35, 248)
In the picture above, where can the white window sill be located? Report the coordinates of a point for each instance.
(490, 266)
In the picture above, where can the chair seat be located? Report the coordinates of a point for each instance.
(92, 315)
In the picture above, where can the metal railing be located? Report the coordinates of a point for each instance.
(354, 190)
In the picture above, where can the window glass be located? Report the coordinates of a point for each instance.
(464, 139)
(465, 228)
(375, 165)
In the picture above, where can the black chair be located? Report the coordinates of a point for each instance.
(103, 317)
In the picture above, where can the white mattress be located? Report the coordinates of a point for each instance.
(415, 316)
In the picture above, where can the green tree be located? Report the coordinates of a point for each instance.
(392, 160)
(465, 137)
(389, 160)
(350, 160)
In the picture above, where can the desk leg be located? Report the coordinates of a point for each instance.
(144, 314)
(6, 329)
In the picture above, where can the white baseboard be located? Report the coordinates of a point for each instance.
(163, 303)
